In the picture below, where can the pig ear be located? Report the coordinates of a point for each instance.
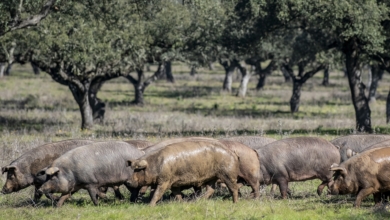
(7, 168)
(52, 170)
(349, 153)
(342, 170)
(140, 165)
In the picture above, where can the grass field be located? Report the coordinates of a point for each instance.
(36, 110)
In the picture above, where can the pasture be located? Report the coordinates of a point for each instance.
(36, 110)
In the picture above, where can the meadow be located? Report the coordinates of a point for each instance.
(35, 110)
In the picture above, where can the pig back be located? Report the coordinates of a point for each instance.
(357, 143)
(298, 158)
(102, 162)
(140, 144)
(42, 156)
(162, 144)
(254, 142)
(382, 144)
(192, 161)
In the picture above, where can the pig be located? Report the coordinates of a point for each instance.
(351, 153)
(185, 164)
(364, 174)
(21, 172)
(249, 165)
(297, 159)
(101, 164)
(357, 142)
(254, 142)
(140, 144)
(249, 168)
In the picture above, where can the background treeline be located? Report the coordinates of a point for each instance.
(82, 44)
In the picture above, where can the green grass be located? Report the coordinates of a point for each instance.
(35, 110)
(304, 204)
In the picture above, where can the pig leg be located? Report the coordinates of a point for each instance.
(283, 187)
(273, 188)
(176, 192)
(37, 194)
(321, 187)
(143, 190)
(159, 192)
(232, 186)
(255, 185)
(118, 193)
(134, 194)
(62, 199)
(209, 189)
(94, 193)
(377, 198)
(361, 195)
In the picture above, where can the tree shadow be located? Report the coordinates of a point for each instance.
(12, 123)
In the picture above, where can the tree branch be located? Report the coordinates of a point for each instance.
(309, 74)
(18, 23)
(160, 71)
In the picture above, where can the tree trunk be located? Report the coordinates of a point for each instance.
(97, 105)
(211, 65)
(168, 72)
(244, 82)
(296, 95)
(193, 71)
(8, 69)
(376, 72)
(388, 108)
(81, 97)
(2, 69)
(264, 73)
(35, 69)
(261, 83)
(141, 83)
(138, 94)
(286, 76)
(325, 81)
(301, 68)
(359, 99)
(229, 66)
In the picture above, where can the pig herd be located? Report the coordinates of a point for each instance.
(354, 164)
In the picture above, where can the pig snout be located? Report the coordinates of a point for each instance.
(333, 191)
(7, 190)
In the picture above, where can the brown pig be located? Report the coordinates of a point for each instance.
(249, 168)
(185, 164)
(249, 165)
(297, 159)
(364, 174)
(21, 173)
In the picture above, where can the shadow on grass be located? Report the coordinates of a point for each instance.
(11, 123)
